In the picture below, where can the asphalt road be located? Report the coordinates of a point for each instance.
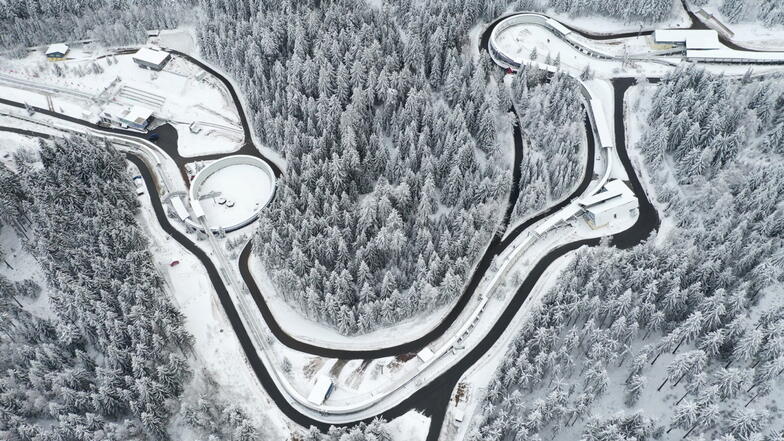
(433, 398)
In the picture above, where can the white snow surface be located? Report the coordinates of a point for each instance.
(216, 346)
(247, 186)
(181, 94)
(751, 34)
(411, 426)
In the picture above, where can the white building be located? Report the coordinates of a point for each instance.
(616, 200)
(136, 117)
(56, 51)
(179, 208)
(704, 45)
(690, 38)
(425, 354)
(321, 390)
(151, 58)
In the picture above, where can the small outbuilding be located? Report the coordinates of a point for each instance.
(690, 38)
(321, 390)
(151, 58)
(425, 354)
(57, 51)
(136, 117)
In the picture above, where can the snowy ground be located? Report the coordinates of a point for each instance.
(11, 142)
(24, 267)
(603, 25)
(180, 39)
(751, 34)
(411, 426)
(520, 40)
(245, 186)
(182, 93)
(637, 107)
(216, 346)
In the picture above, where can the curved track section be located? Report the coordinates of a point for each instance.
(432, 398)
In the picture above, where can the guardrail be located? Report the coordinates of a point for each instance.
(43, 87)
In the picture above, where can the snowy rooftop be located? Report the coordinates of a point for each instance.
(138, 114)
(57, 48)
(612, 189)
(319, 392)
(693, 38)
(615, 194)
(150, 56)
(732, 54)
(602, 126)
(114, 109)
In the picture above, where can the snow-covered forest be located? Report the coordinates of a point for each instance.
(649, 11)
(113, 357)
(551, 118)
(26, 23)
(681, 335)
(770, 12)
(394, 180)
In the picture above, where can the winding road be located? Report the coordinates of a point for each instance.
(433, 397)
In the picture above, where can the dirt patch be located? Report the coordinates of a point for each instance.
(313, 366)
(405, 357)
(334, 372)
(460, 392)
(355, 379)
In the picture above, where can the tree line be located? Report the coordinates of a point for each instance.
(680, 322)
(113, 361)
(551, 118)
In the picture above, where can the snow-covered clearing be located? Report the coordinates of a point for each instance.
(11, 142)
(637, 107)
(234, 193)
(599, 25)
(411, 426)
(751, 34)
(20, 265)
(182, 93)
(180, 39)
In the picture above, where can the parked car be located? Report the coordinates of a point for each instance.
(153, 137)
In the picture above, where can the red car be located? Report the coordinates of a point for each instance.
(174, 263)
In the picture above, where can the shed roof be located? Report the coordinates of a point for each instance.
(693, 38)
(602, 125)
(732, 54)
(151, 56)
(57, 48)
(138, 114)
(179, 207)
(425, 354)
(611, 189)
(319, 392)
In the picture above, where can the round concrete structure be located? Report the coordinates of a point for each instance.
(231, 192)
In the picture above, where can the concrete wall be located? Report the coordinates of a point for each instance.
(207, 171)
